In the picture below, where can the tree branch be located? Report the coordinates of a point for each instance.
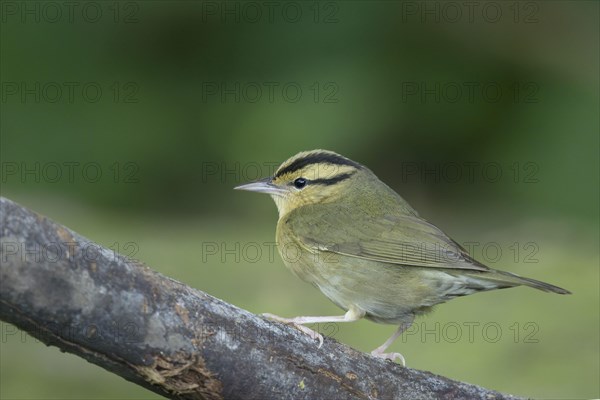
(174, 340)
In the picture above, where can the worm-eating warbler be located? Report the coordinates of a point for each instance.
(346, 232)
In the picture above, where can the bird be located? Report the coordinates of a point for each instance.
(365, 248)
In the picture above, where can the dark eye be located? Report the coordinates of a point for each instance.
(299, 183)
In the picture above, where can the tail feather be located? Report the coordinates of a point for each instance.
(546, 287)
(502, 279)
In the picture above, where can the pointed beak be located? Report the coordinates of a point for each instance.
(264, 185)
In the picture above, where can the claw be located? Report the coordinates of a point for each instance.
(313, 334)
(389, 356)
(290, 321)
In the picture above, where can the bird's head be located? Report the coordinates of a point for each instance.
(309, 178)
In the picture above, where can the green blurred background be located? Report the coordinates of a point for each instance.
(131, 122)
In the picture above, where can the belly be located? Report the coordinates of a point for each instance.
(387, 293)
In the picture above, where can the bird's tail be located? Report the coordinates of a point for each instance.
(495, 279)
(546, 287)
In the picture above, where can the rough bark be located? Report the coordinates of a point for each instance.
(174, 340)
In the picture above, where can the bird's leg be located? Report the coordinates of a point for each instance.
(379, 352)
(353, 314)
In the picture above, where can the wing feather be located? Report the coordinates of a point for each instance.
(406, 240)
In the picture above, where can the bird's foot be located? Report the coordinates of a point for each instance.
(389, 356)
(291, 321)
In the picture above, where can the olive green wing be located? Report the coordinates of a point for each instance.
(406, 240)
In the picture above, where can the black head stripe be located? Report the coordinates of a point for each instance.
(317, 158)
(332, 181)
